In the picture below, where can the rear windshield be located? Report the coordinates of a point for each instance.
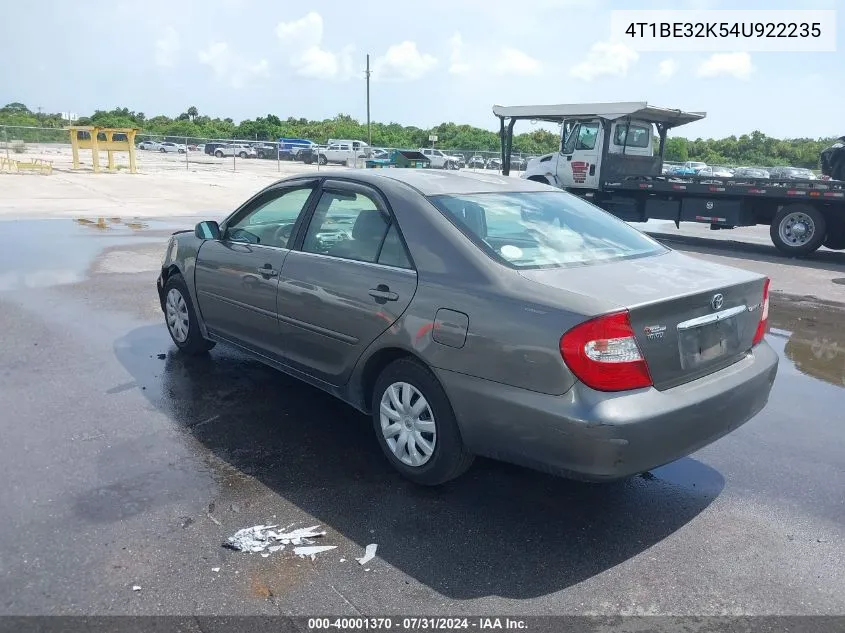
(543, 229)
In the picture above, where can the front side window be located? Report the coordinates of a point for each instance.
(587, 135)
(637, 136)
(346, 225)
(272, 220)
(544, 229)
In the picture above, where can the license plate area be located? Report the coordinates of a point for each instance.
(707, 339)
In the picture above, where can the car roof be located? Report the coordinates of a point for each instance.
(430, 182)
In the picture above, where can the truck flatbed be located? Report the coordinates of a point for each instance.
(754, 187)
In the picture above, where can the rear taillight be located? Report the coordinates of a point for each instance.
(604, 355)
(764, 315)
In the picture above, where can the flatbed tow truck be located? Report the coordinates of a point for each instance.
(611, 154)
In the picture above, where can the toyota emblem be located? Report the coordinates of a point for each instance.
(709, 205)
(717, 302)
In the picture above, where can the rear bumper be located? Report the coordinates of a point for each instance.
(605, 436)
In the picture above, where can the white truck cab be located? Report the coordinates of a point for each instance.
(578, 162)
(599, 142)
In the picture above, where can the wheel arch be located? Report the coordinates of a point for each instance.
(368, 371)
(542, 179)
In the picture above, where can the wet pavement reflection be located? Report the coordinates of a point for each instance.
(814, 338)
(43, 253)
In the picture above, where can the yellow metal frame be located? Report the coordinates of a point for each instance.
(33, 164)
(110, 146)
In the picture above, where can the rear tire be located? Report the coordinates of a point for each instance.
(431, 434)
(181, 318)
(242, 154)
(218, 154)
(798, 229)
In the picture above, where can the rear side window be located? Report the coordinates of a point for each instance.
(638, 136)
(544, 229)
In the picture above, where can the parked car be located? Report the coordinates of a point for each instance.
(266, 150)
(149, 145)
(241, 150)
(541, 345)
(309, 155)
(168, 147)
(211, 147)
(716, 172)
(289, 148)
(750, 172)
(477, 162)
(341, 152)
(439, 159)
(518, 163)
(791, 173)
(494, 163)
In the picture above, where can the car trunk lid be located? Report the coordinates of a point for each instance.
(690, 317)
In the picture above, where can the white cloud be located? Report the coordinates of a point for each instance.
(457, 65)
(736, 65)
(514, 62)
(605, 59)
(403, 62)
(667, 68)
(303, 39)
(230, 67)
(167, 47)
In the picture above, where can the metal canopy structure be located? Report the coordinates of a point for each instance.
(663, 118)
(611, 111)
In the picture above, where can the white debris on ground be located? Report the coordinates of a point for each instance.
(369, 554)
(260, 537)
(136, 588)
(312, 550)
(215, 569)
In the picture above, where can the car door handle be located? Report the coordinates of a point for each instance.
(383, 293)
(267, 271)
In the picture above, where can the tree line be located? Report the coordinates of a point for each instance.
(748, 149)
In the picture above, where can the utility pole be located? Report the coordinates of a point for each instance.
(369, 134)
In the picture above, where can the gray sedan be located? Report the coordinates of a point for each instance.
(476, 314)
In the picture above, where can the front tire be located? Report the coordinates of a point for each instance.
(415, 425)
(242, 154)
(218, 154)
(798, 229)
(181, 318)
(323, 160)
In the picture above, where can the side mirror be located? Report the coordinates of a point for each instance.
(208, 230)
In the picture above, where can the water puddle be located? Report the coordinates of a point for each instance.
(814, 338)
(42, 253)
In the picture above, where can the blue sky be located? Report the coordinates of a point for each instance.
(432, 61)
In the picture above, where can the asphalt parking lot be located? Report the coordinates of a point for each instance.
(127, 465)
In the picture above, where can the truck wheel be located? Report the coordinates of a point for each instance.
(219, 154)
(323, 160)
(798, 230)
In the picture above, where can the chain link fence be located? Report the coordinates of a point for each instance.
(161, 153)
(156, 153)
